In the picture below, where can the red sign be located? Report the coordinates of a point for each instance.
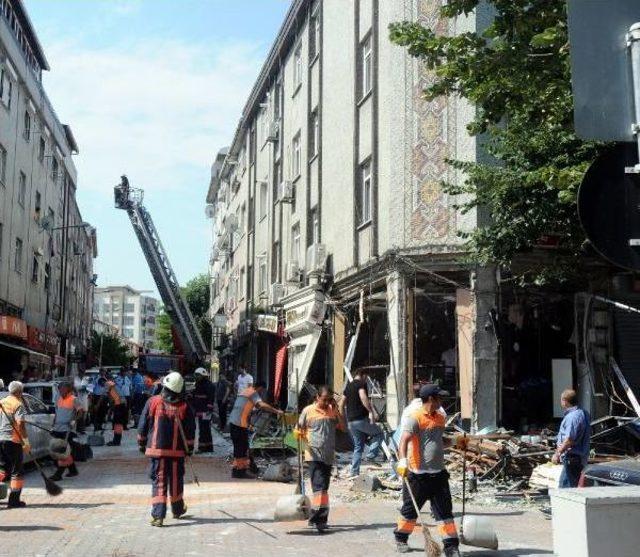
(39, 340)
(13, 327)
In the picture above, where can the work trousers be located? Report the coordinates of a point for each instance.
(119, 420)
(240, 440)
(11, 468)
(428, 487)
(222, 414)
(99, 412)
(363, 431)
(205, 441)
(69, 437)
(571, 470)
(137, 404)
(167, 475)
(320, 476)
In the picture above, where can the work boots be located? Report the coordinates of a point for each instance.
(451, 552)
(157, 522)
(14, 501)
(57, 476)
(117, 439)
(181, 513)
(73, 471)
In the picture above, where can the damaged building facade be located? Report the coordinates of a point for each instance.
(335, 245)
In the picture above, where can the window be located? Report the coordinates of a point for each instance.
(54, 169)
(17, 260)
(296, 166)
(129, 308)
(297, 67)
(364, 194)
(22, 188)
(35, 269)
(38, 202)
(262, 273)
(366, 66)
(314, 36)
(26, 133)
(315, 226)
(6, 88)
(264, 194)
(295, 243)
(128, 333)
(42, 149)
(1, 230)
(249, 282)
(278, 100)
(3, 164)
(275, 261)
(47, 276)
(129, 320)
(243, 214)
(314, 134)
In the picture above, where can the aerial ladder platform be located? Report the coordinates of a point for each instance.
(130, 200)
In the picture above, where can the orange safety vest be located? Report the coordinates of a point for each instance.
(11, 405)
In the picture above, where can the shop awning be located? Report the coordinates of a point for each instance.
(25, 349)
(301, 352)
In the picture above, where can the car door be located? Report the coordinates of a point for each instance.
(38, 417)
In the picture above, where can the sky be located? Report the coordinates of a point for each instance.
(151, 89)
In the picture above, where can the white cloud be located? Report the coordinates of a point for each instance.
(149, 108)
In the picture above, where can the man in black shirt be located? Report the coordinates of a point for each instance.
(361, 418)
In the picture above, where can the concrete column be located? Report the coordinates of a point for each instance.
(397, 315)
(478, 351)
(339, 351)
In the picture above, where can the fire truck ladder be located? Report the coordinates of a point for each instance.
(130, 200)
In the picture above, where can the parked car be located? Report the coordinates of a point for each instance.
(616, 472)
(44, 391)
(37, 413)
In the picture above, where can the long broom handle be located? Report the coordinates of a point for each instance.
(15, 428)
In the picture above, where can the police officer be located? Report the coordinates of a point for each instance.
(165, 434)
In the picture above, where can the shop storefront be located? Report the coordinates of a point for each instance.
(13, 358)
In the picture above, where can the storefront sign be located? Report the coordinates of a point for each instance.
(305, 315)
(267, 323)
(37, 339)
(13, 327)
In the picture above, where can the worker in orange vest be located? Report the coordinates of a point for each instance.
(119, 410)
(68, 408)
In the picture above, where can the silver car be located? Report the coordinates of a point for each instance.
(39, 414)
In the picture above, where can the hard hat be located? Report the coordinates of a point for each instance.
(174, 382)
(201, 371)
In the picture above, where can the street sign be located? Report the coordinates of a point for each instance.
(601, 67)
(609, 206)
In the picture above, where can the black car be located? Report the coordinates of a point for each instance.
(616, 472)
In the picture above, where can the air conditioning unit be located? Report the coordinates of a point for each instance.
(274, 131)
(285, 191)
(215, 255)
(276, 294)
(292, 272)
(316, 258)
(231, 222)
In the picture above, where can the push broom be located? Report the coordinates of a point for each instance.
(431, 546)
(52, 488)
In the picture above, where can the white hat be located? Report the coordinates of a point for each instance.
(201, 371)
(174, 382)
(15, 387)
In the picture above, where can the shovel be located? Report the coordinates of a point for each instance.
(477, 531)
(291, 508)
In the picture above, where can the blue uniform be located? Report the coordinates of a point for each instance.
(577, 427)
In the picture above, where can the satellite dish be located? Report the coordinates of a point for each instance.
(609, 206)
(46, 223)
(210, 211)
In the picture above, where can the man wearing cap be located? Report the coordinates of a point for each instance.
(204, 396)
(68, 408)
(165, 434)
(239, 424)
(13, 442)
(422, 468)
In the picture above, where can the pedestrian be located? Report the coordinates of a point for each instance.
(223, 391)
(203, 399)
(422, 467)
(244, 379)
(14, 442)
(119, 413)
(123, 386)
(317, 426)
(573, 440)
(361, 417)
(239, 424)
(138, 397)
(68, 409)
(165, 434)
(99, 402)
(152, 384)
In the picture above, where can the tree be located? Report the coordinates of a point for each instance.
(164, 337)
(114, 351)
(197, 293)
(517, 74)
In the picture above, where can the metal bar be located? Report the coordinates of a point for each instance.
(627, 389)
(633, 43)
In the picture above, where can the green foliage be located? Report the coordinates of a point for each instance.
(197, 293)
(164, 338)
(114, 352)
(517, 74)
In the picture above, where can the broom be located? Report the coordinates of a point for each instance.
(431, 547)
(52, 488)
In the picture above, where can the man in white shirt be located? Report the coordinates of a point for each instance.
(244, 380)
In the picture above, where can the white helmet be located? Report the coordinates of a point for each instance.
(174, 382)
(201, 371)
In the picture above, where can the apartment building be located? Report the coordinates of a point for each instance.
(46, 248)
(335, 245)
(130, 312)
